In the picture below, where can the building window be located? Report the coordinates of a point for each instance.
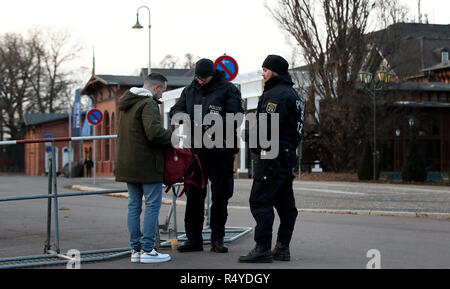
(106, 132)
(113, 131)
(444, 56)
(98, 132)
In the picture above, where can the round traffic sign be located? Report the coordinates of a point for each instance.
(229, 65)
(95, 116)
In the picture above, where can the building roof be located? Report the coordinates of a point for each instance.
(411, 47)
(172, 72)
(420, 86)
(39, 118)
(445, 65)
(123, 80)
(175, 78)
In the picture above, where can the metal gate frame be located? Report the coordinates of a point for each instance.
(54, 256)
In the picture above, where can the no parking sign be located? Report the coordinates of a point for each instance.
(48, 145)
(95, 116)
(229, 65)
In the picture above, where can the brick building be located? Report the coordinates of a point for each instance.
(419, 98)
(52, 125)
(105, 91)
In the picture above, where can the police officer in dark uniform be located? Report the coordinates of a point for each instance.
(272, 184)
(216, 95)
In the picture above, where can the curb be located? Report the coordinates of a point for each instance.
(380, 213)
(167, 201)
(368, 213)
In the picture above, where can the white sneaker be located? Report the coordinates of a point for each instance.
(135, 256)
(153, 257)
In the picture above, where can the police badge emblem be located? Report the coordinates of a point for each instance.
(271, 107)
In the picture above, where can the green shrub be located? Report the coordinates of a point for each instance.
(414, 167)
(365, 170)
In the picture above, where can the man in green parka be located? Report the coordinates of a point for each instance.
(140, 163)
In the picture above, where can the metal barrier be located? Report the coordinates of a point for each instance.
(53, 256)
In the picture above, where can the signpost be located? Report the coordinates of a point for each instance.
(229, 65)
(95, 117)
(48, 145)
(48, 150)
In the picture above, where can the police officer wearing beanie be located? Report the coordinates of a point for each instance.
(273, 178)
(209, 89)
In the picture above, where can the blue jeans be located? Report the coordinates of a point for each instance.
(153, 195)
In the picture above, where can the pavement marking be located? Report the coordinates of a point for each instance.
(330, 191)
(445, 216)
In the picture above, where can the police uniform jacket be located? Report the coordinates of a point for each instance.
(218, 96)
(279, 97)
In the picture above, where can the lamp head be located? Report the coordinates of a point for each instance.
(365, 77)
(137, 25)
(384, 76)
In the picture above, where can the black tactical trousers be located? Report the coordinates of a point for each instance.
(218, 168)
(277, 192)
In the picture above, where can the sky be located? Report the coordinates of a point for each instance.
(243, 29)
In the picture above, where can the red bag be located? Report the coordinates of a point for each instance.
(180, 166)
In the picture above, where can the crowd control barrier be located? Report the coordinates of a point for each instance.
(52, 252)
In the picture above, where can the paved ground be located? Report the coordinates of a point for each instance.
(336, 196)
(320, 240)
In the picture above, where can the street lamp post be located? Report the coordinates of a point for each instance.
(374, 85)
(411, 127)
(397, 133)
(139, 26)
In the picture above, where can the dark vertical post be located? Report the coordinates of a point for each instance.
(398, 153)
(55, 198)
(49, 208)
(374, 137)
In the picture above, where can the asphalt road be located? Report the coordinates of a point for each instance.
(313, 195)
(320, 240)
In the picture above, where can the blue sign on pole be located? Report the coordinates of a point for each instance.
(87, 127)
(48, 145)
(76, 114)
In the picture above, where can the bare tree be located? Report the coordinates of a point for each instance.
(332, 40)
(391, 12)
(16, 70)
(52, 85)
(333, 36)
(190, 60)
(169, 61)
(32, 76)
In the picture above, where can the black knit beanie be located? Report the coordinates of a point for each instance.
(277, 64)
(204, 68)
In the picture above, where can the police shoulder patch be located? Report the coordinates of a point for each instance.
(271, 107)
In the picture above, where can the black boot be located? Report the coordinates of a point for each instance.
(281, 252)
(257, 255)
(191, 246)
(218, 247)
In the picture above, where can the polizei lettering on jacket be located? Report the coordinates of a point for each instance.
(218, 131)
